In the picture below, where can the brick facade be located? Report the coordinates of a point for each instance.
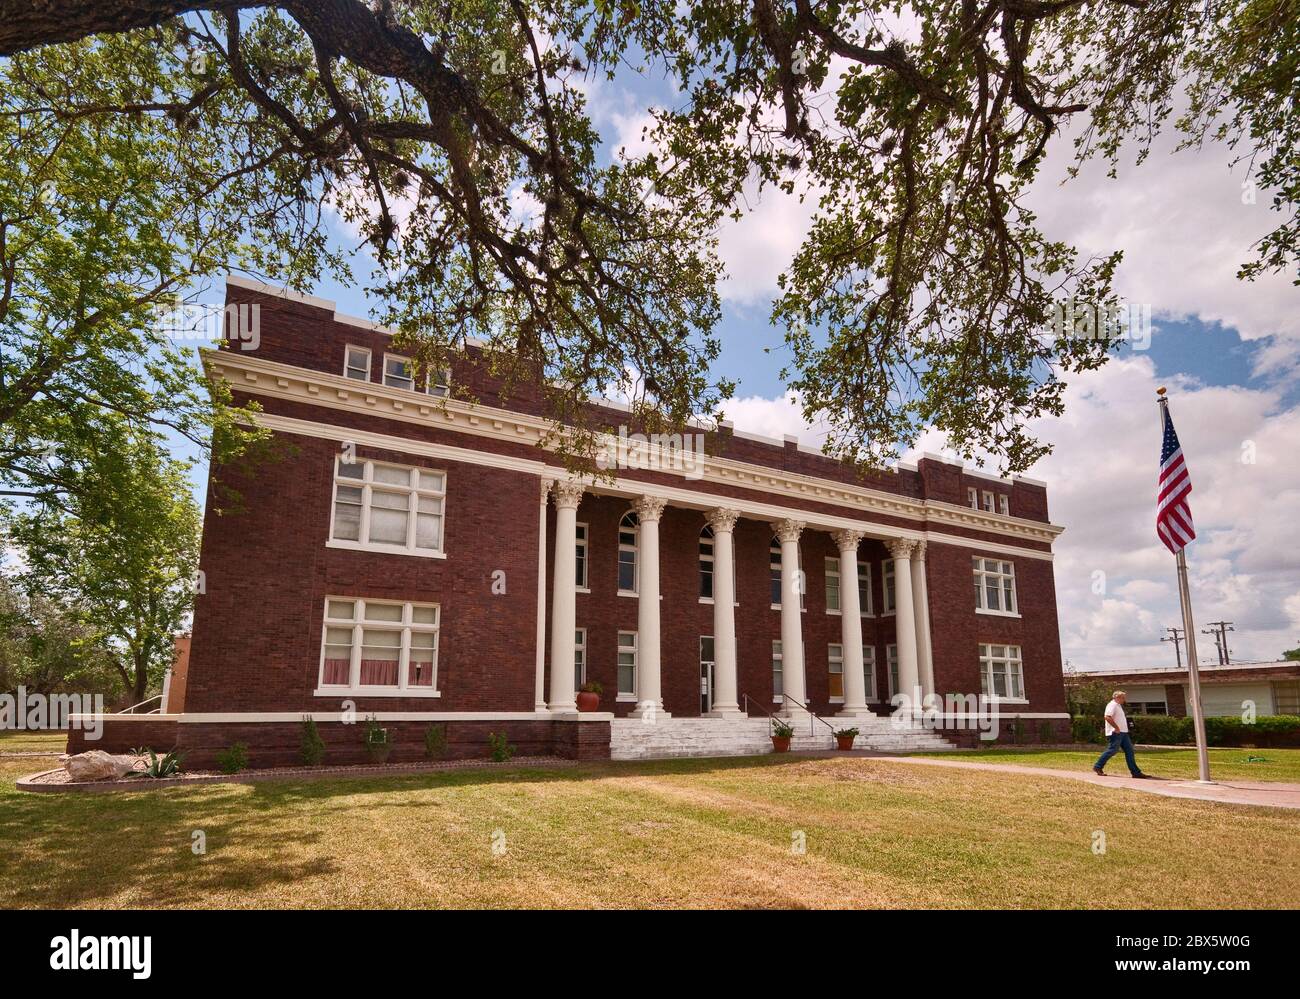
(257, 631)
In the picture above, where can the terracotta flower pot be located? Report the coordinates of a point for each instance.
(844, 742)
(587, 701)
(780, 744)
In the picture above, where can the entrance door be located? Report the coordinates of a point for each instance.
(706, 675)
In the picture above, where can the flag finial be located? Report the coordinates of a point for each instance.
(1160, 390)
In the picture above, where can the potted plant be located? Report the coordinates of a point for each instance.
(377, 745)
(844, 738)
(589, 696)
(781, 736)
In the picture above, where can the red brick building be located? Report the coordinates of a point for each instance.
(403, 555)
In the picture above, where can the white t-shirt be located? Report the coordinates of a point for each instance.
(1115, 710)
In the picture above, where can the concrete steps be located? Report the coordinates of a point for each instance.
(670, 738)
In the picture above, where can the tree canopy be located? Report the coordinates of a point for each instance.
(454, 135)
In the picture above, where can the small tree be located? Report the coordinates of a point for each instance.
(124, 553)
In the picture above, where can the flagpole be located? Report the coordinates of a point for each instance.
(1189, 631)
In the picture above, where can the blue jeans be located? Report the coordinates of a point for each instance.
(1118, 741)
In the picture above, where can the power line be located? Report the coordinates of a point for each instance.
(1220, 629)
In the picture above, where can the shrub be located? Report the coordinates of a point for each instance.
(1087, 728)
(435, 742)
(781, 730)
(234, 759)
(376, 734)
(1017, 730)
(1087, 699)
(312, 749)
(501, 750)
(1163, 730)
(1045, 733)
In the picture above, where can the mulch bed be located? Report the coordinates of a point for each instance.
(56, 781)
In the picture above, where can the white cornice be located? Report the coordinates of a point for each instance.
(257, 376)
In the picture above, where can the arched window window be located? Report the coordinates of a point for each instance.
(628, 534)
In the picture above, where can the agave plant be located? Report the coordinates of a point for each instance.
(159, 766)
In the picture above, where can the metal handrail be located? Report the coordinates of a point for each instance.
(770, 717)
(811, 714)
(131, 710)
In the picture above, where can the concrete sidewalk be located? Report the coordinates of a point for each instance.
(1232, 792)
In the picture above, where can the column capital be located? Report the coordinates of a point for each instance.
(847, 539)
(787, 530)
(568, 493)
(546, 488)
(722, 519)
(649, 507)
(919, 554)
(901, 548)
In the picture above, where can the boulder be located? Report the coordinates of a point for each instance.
(98, 765)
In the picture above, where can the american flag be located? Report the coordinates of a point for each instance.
(1173, 515)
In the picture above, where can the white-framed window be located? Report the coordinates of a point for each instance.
(707, 564)
(379, 647)
(835, 663)
(778, 686)
(580, 553)
(1001, 672)
(835, 666)
(629, 534)
(864, 589)
(398, 374)
(1004, 504)
(989, 501)
(356, 363)
(890, 585)
(774, 561)
(891, 660)
(973, 497)
(380, 506)
(627, 657)
(995, 586)
(579, 658)
(833, 586)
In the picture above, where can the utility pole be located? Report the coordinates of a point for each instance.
(1220, 629)
(1176, 636)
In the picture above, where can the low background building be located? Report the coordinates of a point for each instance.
(1273, 688)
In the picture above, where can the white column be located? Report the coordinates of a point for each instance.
(921, 599)
(539, 694)
(792, 675)
(649, 692)
(905, 617)
(855, 684)
(725, 688)
(563, 611)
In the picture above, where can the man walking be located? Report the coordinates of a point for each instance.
(1117, 734)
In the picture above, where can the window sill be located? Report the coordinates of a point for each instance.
(582, 589)
(626, 698)
(353, 546)
(710, 601)
(802, 610)
(627, 593)
(837, 700)
(996, 613)
(1007, 700)
(374, 692)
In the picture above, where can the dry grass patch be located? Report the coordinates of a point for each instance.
(674, 833)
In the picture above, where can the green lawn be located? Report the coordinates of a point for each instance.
(33, 742)
(1229, 764)
(680, 833)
